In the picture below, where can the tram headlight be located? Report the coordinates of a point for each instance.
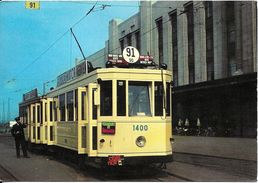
(140, 141)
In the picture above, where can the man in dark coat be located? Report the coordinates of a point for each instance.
(18, 134)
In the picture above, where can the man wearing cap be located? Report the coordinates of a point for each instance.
(18, 134)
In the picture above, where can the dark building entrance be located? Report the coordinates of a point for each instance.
(227, 105)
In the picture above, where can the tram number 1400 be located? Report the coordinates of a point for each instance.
(140, 127)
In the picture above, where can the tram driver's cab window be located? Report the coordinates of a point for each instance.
(159, 91)
(106, 98)
(139, 99)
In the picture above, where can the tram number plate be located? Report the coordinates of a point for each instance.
(115, 160)
(140, 127)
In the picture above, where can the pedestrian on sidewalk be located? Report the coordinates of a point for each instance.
(18, 134)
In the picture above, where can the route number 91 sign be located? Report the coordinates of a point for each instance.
(131, 54)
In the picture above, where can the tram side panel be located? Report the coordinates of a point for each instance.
(67, 135)
(120, 138)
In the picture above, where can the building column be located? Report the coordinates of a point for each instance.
(146, 25)
(249, 31)
(199, 42)
(219, 40)
(254, 35)
(114, 47)
(183, 72)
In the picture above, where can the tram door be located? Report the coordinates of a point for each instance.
(92, 119)
(81, 115)
(87, 120)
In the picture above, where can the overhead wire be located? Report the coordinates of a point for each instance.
(91, 10)
(124, 5)
(49, 47)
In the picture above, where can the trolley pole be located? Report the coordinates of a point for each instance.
(45, 84)
(84, 58)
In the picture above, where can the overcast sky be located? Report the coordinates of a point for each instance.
(26, 34)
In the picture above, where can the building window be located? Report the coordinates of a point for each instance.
(231, 37)
(122, 45)
(190, 28)
(173, 19)
(209, 40)
(129, 39)
(62, 107)
(137, 40)
(69, 100)
(208, 9)
(159, 24)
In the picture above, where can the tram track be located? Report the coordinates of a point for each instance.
(179, 177)
(6, 176)
(245, 168)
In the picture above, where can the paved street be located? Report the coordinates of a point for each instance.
(235, 148)
(190, 164)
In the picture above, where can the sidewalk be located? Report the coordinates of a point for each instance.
(236, 148)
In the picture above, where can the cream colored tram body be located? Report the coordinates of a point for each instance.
(113, 116)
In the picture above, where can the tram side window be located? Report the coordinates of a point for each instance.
(83, 104)
(168, 99)
(139, 99)
(38, 114)
(76, 104)
(106, 98)
(33, 114)
(94, 107)
(62, 107)
(69, 99)
(46, 112)
(121, 98)
(55, 108)
(159, 99)
(51, 111)
(41, 112)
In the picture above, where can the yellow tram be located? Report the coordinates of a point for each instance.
(113, 116)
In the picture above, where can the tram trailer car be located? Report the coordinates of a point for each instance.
(110, 116)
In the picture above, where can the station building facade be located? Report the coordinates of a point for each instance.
(211, 49)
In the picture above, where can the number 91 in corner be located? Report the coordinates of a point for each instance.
(33, 5)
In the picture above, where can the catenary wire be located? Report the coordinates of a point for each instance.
(49, 47)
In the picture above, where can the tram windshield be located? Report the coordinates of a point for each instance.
(139, 99)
